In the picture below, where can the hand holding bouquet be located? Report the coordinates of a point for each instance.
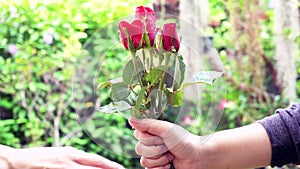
(154, 78)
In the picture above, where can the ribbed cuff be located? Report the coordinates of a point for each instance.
(278, 127)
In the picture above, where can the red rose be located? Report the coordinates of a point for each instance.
(142, 12)
(170, 39)
(131, 34)
(151, 32)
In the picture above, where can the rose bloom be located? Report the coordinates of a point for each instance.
(131, 33)
(142, 12)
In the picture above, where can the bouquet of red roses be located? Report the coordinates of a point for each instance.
(153, 79)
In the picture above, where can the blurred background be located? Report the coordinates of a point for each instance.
(41, 42)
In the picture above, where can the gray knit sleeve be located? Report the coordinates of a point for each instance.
(283, 129)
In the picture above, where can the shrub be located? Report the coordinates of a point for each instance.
(40, 43)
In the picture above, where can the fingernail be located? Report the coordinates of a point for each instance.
(130, 121)
(133, 119)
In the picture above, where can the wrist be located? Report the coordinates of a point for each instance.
(211, 153)
(204, 154)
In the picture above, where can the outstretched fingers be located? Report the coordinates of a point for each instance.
(94, 160)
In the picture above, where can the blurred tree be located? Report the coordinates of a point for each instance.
(189, 23)
(286, 31)
(167, 7)
(246, 19)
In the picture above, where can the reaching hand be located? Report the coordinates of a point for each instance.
(161, 142)
(54, 158)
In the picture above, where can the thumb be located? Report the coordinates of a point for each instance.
(151, 126)
(172, 134)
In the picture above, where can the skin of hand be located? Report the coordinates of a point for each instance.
(52, 158)
(161, 142)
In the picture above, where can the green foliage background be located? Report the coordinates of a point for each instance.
(36, 82)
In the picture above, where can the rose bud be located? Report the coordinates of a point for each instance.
(170, 38)
(151, 31)
(142, 13)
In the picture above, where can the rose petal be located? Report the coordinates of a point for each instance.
(141, 12)
(170, 37)
(151, 29)
(133, 31)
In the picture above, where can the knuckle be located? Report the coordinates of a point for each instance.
(163, 149)
(136, 134)
(64, 164)
(158, 141)
(143, 162)
(70, 149)
(138, 148)
(165, 160)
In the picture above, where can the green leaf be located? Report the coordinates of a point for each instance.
(114, 107)
(179, 75)
(170, 76)
(32, 86)
(146, 39)
(44, 87)
(136, 109)
(2, 61)
(59, 76)
(158, 102)
(129, 73)
(103, 85)
(108, 109)
(176, 72)
(99, 132)
(19, 86)
(169, 79)
(117, 148)
(203, 77)
(119, 91)
(122, 106)
(154, 75)
(175, 98)
(34, 36)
